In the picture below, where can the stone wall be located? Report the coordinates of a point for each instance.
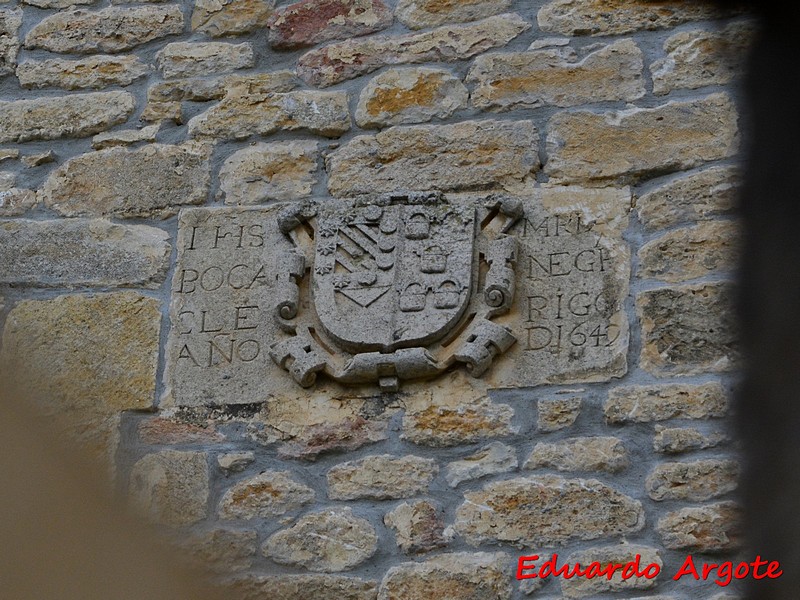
(148, 153)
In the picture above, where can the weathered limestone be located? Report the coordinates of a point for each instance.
(156, 112)
(456, 576)
(381, 477)
(246, 110)
(557, 413)
(456, 424)
(219, 18)
(94, 72)
(643, 404)
(581, 587)
(510, 80)
(50, 349)
(409, 95)
(293, 587)
(126, 137)
(151, 181)
(691, 252)
(419, 14)
(42, 158)
(491, 460)
(698, 58)
(188, 59)
(688, 330)
(623, 146)
(573, 270)
(59, 4)
(8, 154)
(580, 454)
(78, 115)
(10, 22)
(16, 201)
(328, 541)
(700, 196)
(224, 551)
(195, 89)
(311, 22)
(695, 481)
(113, 29)
(82, 252)
(268, 495)
(711, 528)
(161, 430)
(467, 155)
(341, 61)
(279, 171)
(546, 510)
(170, 487)
(234, 462)
(418, 527)
(674, 440)
(615, 17)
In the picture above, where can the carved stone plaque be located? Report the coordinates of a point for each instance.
(351, 298)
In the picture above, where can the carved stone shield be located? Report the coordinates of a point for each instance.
(393, 276)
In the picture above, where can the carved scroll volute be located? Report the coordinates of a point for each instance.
(499, 290)
(290, 271)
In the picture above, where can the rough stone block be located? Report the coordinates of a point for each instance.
(112, 29)
(50, 349)
(219, 18)
(615, 17)
(78, 115)
(419, 14)
(245, 111)
(455, 423)
(462, 156)
(261, 173)
(581, 587)
(16, 201)
(311, 22)
(699, 58)
(701, 196)
(710, 528)
(643, 404)
(152, 181)
(695, 481)
(477, 576)
(418, 527)
(557, 413)
(580, 454)
(512, 80)
(126, 137)
(409, 95)
(546, 510)
(171, 487)
(56, 253)
(163, 430)
(341, 61)
(10, 22)
(94, 72)
(493, 459)
(189, 59)
(674, 440)
(624, 146)
(265, 496)
(329, 541)
(689, 330)
(691, 252)
(381, 477)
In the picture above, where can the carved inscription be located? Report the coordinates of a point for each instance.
(573, 280)
(221, 300)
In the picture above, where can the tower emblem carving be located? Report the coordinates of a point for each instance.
(394, 283)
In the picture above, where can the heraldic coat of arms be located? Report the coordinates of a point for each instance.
(394, 287)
